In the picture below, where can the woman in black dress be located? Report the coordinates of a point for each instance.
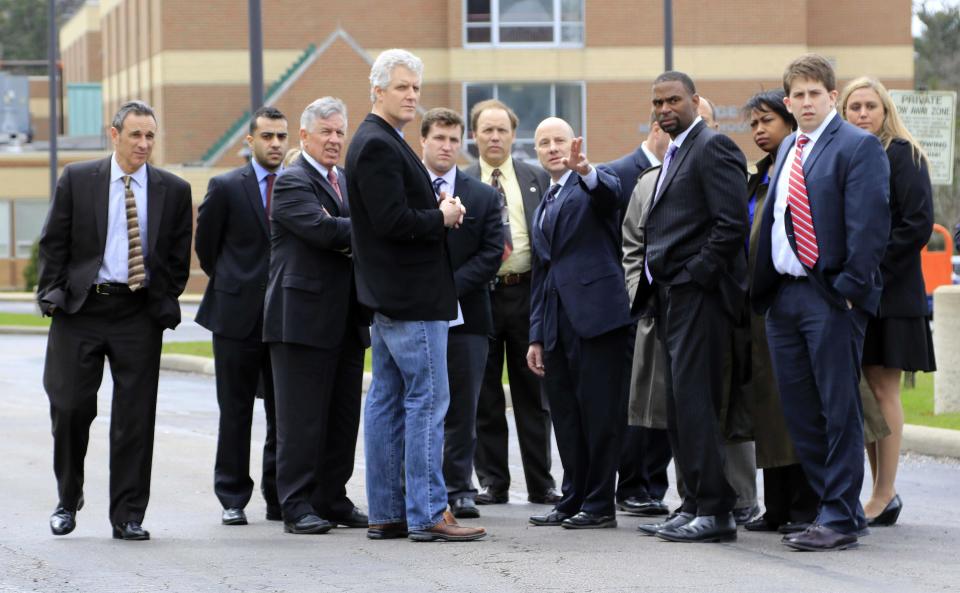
(899, 338)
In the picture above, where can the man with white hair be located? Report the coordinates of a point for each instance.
(315, 329)
(405, 279)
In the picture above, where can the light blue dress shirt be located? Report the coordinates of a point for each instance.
(117, 247)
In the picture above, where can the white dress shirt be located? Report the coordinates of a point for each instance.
(784, 259)
(449, 181)
(117, 247)
(654, 161)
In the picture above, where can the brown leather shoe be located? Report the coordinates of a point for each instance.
(447, 530)
(387, 531)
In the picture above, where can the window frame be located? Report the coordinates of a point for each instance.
(495, 29)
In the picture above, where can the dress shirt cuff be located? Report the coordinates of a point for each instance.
(590, 179)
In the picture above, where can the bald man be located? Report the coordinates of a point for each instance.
(579, 313)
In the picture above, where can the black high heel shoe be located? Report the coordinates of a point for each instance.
(889, 515)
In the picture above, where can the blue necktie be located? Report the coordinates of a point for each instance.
(437, 184)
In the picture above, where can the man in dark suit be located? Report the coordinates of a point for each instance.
(695, 232)
(579, 315)
(114, 257)
(475, 249)
(315, 329)
(817, 277)
(233, 246)
(520, 187)
(404, 277)
(645, 454)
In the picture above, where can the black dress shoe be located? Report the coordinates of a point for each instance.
(584, 520)
(889, 515)
(820, 539)
(674, 520)
(308, 524)
(387, 531)
(233, 516)
(464, 508)
(489, 496)
(552, 519)
(761, 523)
(746, 514)
(130, 530)
(643, 507)
(551, 496)
(355, 518)
(63, 521)
(793, 527)
(708, 528)
(274, 513)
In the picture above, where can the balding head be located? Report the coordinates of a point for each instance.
(552, 142)
(709, 115)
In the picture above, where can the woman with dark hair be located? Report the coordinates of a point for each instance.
(791, 504)
(899, 338)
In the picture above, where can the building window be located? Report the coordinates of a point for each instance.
(28, 217)
(5, 229)
(532, 102)
(523, 22)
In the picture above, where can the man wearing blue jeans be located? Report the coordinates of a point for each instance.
(405, 278)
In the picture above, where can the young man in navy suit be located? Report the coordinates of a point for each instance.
(817, 279)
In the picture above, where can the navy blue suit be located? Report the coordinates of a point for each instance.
(628, 168)
(816, 339)
(579, 311)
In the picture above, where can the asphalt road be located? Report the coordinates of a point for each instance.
(191, 551)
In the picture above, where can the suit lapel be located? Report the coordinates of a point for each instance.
(565, 192)
(101, 200)
(821, 144)
(331, 203)
(156, 192)
(677, 161)
(410, 153)
(527, 182)
(251, 189)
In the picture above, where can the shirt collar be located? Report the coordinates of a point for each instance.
(316, 165)
(814, 135)
(448, 178)
(506, 169)
(563, 180)
(116, 173)
(262, 171)
(678, 141)
(654, 161)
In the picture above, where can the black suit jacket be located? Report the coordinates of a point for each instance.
(475, 251)
(74, 236)
(697, 226)
(911, 222)
(233, 246)
(533, 181)
(628, 168)
(400, 254)
(310, 297)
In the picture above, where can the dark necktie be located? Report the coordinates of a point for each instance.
(806, 237)
(547, 220)
(270, 179)
(136, 273)
(437, 184)
(495, 181)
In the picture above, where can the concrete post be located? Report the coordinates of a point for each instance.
(946, 345)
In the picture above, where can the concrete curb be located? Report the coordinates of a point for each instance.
(21, 330)
(29, 297)
(188, 363)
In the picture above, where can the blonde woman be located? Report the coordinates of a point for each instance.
(899, 338)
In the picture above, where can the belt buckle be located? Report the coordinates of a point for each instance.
(99, 290)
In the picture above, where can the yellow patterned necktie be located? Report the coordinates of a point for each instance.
(136, 273)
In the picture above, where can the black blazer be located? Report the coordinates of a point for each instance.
(475, 251)
(310, 297)
(580, 263)
(697, 227)
(628, 168)
(400, 255)
(74, 236)
(233, 246)
(911, 222)
(533, 181)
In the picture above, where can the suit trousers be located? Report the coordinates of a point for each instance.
(816, 350)
(694, 330)
(466, 359)
(317, 394)
(787, 495)
(116, 328)
(645, 452)
(740, 471)
(583, 383)
(243, 367)
(531, 412)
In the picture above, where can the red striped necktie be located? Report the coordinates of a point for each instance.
(804, 233)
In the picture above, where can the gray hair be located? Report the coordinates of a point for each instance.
(134, 107)
(385, 63)
(323, 108)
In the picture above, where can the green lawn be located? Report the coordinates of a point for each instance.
(918, 405)
(24, 319)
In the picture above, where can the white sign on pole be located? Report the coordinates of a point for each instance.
(931, 117)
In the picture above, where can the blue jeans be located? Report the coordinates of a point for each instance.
(403, 422)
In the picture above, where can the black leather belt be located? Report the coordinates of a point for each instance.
(512, 279)
(111, 288)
